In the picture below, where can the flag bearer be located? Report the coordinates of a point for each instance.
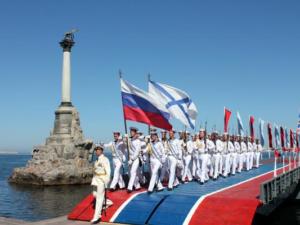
(174, 157)
(118, 149)
(135, 150)
(100, 181)
(155, 150)
(187, 157)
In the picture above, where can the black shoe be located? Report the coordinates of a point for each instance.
(97, 221)
(129, 191)
(201, 183)
(170, 189)
(112, 189)
(149, 192)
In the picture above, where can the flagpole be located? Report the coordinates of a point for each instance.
(148, 79)
(124, 118)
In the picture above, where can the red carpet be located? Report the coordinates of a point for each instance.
(236, 205)
(84, 210)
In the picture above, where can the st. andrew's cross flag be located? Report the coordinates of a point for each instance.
(178, 103)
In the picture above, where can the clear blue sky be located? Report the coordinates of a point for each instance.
(241, 54)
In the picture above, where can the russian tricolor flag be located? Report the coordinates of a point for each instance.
(139, 106)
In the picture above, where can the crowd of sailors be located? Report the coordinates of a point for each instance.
(199, 157)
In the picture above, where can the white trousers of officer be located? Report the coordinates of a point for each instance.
(247, 160)
(241, 161)
(172, 167)
(155, 166)
(257, 158)
(216, 162)
(98, 193)
(164, 171)
(187, 171)
(251, 159)
(226, 159)
(133, 175)
(221, 163)
(195, 165)
(203, 167)
(117, 179)
(234, 156)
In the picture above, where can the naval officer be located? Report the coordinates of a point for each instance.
(118, 149)
(135, 149)
(156, 150)
(100, 181)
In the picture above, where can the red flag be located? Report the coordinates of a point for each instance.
(282, 136)
(251, 125)
(227, 115)
(291, 138)
(277, 154)
(270, 136)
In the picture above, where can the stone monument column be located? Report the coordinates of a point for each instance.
(64, 158)
(66, 44)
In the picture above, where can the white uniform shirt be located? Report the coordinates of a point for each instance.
(200, 145)
(211, 147)
(101, 171)
(254, 146)
(135, 148)
(219, 146)
(158, 151)
(118, 149)
(250, 147)
(175, 148)
(237, 147)
(259, 148)
(243, 147)
(231, 147)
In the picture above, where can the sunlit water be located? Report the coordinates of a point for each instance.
(32, 203)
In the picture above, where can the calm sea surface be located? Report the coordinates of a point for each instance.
(34, 203)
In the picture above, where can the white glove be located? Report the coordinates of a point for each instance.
(129, 162)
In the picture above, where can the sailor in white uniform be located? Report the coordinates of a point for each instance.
(203, 156)
(174, 159)
(188, 149)
(118, 149)
(164, 174)
(258, 151)
(211, 149)
(100, 181)
(249, 154)
(135, 148)
(155, 150)
(227, 148)
(237, 146)
(244, 152)
(217, 157)
(233, 155)
(195, 160)
(252, 150)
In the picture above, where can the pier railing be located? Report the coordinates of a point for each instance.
(279, 188)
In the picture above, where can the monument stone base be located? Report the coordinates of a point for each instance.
(64, 158)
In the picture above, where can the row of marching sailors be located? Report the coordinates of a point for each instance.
(180, 160)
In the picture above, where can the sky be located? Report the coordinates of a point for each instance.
(244, 55)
